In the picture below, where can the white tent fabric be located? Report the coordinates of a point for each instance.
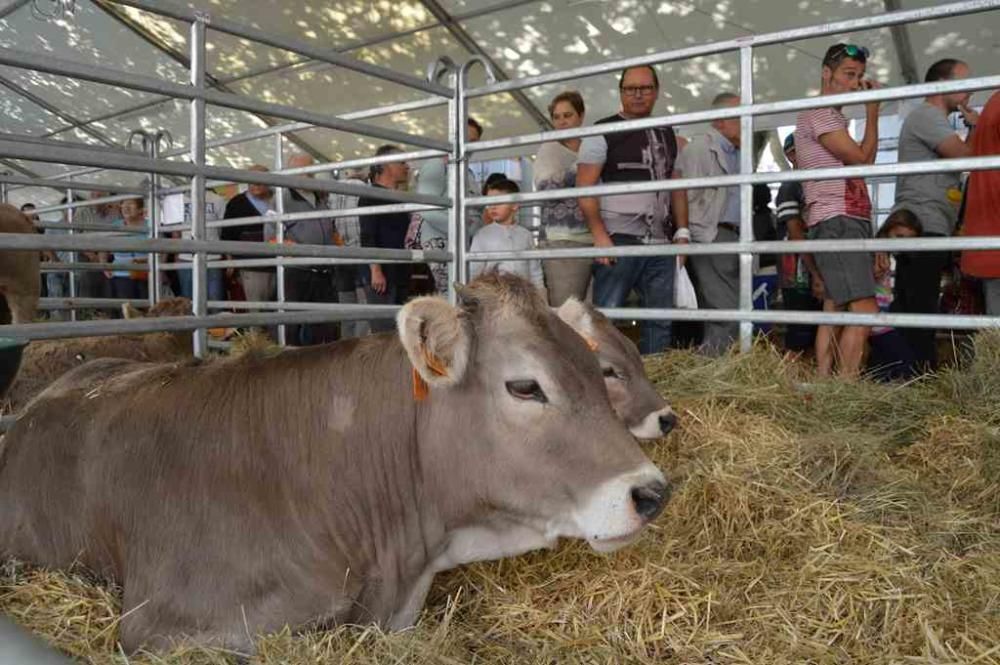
(524, 38)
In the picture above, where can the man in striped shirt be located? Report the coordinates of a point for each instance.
(840, 209)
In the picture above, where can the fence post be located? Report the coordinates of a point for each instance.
(279, 235)
(199, 276)
(746, 196)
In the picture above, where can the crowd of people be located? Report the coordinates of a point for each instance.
(927, 205)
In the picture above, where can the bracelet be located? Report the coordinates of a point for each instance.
(683, 233)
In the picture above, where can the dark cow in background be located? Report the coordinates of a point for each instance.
(44, 361)
(633, 397)
(20, 285)
(326, 484)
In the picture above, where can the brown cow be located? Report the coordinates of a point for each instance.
(20, 283)
(326, 484)
(44, 361)
(633, 397)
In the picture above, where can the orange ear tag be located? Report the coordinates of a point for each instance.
(420, 388)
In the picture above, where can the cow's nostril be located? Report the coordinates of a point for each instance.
(650, 499)
(668, 422)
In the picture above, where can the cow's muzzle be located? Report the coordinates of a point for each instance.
(650, 499)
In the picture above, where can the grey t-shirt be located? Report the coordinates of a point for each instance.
(926, 196)
(643, 215)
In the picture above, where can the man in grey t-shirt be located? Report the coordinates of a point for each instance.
(934, 198)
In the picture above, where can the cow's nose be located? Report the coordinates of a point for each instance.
(668, 422)
(650, 499)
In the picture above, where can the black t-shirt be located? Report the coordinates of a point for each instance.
(386, 230)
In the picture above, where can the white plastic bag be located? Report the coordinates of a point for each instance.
(684, 295)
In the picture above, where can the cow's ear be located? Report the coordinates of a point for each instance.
(579, 317)
(437, 338)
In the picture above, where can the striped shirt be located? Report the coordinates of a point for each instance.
(827, 198)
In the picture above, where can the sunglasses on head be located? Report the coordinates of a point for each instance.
(840, 51)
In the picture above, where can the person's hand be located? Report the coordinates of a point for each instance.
(818, 288)
(970, 116)
(868, 84)
(604, 241)
(682, 258)
(881, 264)
(378, 280)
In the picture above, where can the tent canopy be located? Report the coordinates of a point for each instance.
(522, 38)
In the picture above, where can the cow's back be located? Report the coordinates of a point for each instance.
(45, 361)
(44, 472)
(239, 454)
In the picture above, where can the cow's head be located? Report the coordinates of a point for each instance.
(633, 397)
(519, 421)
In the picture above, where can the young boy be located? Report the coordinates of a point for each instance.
(504, 234)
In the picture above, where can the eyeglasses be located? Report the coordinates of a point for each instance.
(840, 51)
(636, 90)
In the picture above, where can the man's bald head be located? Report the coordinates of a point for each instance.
(257, 190)
(300, 160)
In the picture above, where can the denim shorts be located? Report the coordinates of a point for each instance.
(847, 276)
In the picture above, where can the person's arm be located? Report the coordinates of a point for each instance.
(843, 147)
(679, 206)
(796, 231)
(586, 176)
(836, 139)
(370, 238)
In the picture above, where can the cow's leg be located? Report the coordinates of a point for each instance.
(409, 611)
(22, 307)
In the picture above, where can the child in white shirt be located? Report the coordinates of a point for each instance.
(502, 233)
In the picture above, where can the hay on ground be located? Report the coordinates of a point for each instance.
(814, 521)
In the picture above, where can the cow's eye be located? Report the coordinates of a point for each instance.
(527, 389)
(611, 373)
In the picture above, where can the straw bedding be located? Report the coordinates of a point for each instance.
(815, 522)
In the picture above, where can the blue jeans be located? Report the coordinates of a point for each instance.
(216, 284)
(652, 277)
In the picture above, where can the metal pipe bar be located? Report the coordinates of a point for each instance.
(196, 142)
(763, 108)
(222, 24)
(301, 65)
(17, 645)
(746, 197)
(25, 181)
(88, 303)
(123, 79)
(56, 266)
(272, 305)
(54, 110)
(86, 203)
(861, 171)
(781, 37)
(94, 328)
(926, 244)
(269, 263)
(87, 227)
(315, 214)
(72, 155)
(279, 199)
(415, 155)
(938, 321)
(32, 241)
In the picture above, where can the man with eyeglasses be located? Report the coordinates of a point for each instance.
(641, 155)
(840, 209)
(933, 197)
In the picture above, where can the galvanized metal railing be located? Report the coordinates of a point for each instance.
(459, 152)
